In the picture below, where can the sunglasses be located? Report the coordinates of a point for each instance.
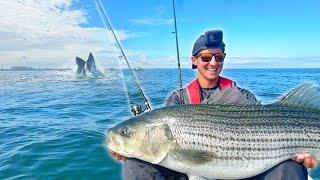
(207, 57)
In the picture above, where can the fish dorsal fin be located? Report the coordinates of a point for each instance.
(232, 96)
(304, 96)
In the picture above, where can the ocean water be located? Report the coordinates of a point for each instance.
(53, 123)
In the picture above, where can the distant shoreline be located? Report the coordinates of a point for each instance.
(37, 69)
(68, 69)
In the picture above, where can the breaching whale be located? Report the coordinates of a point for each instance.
(86, 66)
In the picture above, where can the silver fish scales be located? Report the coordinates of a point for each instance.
(242, 137)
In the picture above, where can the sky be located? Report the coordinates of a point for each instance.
(257, 34)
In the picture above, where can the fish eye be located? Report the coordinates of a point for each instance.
(124, 131)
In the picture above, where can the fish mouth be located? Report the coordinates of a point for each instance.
(111, 147)
(112, 143)
(114, 148)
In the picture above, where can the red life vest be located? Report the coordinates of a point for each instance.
(193, 89)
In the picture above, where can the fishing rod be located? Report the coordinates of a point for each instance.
(177, 44)
(177, 47)
(136, 109)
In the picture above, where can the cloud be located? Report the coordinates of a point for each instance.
(33, 19)
(157, 19)
(52, 31)
(153, 21)
(147, 62)
(273, 62)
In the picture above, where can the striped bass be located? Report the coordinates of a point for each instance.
(232, 139)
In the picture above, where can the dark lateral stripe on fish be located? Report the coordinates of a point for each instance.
(286, 120)
(257, 149)
(264, 124)
(254, 153)
(245, 157)
(255, 139)
(264, 156)
(258, 145)
(252, 114)
(258, 129)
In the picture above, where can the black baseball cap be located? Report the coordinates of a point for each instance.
(210, 39)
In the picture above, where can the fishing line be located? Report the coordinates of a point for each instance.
(108, 25)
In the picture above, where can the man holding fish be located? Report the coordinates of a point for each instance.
(207, 57)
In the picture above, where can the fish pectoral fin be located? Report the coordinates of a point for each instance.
(193, 156)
